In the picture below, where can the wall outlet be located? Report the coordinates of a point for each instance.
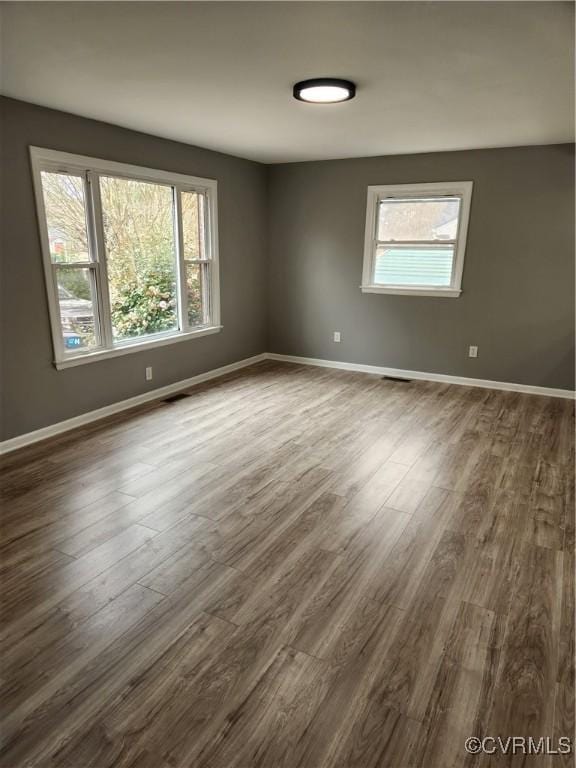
(337, 336)
(473, 351)
(149, 373)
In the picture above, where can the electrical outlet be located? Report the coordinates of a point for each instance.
(337, 336)
(473, 351)
(149, 373)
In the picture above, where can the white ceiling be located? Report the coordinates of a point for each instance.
(431, 76)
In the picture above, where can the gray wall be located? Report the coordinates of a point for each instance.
(302, 226)
(517, 302)
(35, 393)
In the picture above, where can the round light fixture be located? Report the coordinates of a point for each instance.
(324, 90)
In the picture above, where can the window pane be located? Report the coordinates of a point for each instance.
(434, 219)
(413, 265)
(65, 217)
(77, 299)
(196, 280)
(141, 257)
(193, 225)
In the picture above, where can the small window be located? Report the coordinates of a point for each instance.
(416, 238)
(130, 255)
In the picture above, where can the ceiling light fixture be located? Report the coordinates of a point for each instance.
(324, 90)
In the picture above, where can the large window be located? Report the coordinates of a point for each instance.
(416, 238)
(130, 255)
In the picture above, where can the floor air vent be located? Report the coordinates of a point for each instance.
(397, 378)
(175, 398)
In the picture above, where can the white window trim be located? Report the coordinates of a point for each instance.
(90, 168)
(462, 189)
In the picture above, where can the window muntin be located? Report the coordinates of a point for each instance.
(130, 254)
(415, 238)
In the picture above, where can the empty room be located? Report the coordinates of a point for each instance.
(287, 367)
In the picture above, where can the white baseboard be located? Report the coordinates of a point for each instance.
(155, 394)
(158, 394)
(444, 378)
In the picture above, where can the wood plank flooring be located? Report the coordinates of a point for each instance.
(294, 567)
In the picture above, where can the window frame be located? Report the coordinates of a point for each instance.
(377, 193)
(90, 169)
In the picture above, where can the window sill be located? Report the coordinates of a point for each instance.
(452, 293)
(140, 346)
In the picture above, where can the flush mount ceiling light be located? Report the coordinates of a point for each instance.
(324, 90)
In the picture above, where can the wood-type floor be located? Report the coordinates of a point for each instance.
(292, 566)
